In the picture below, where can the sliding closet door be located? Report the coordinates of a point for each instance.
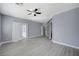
(19, 31)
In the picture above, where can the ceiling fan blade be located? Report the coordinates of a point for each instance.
(34, 14)
(38, 12)
(29, 14)
(29, 10)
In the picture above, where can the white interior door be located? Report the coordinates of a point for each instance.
(24, 31)
(41, 30)
(19, 31)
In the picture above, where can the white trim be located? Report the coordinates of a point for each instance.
(13, 31)
(61, 43)
(35, 36)
(27, 25)
(5, 42)
(41, 30)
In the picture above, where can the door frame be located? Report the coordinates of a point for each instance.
(13, 31)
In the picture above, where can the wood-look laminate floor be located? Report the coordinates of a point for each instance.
(36, 47)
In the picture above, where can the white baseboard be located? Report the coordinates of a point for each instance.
(61, 43)
(35, 36)
(5, 42)
(8, 42)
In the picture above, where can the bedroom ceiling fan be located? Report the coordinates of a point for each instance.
(34, 12)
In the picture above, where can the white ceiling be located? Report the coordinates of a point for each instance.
(48, 10)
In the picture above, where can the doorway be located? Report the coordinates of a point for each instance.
(50, 30)
(19, 31)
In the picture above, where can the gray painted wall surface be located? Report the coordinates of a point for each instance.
(0, 28)
(34, 28)
(6, 28)
(66, 27)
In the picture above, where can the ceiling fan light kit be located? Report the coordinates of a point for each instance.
(34, 12)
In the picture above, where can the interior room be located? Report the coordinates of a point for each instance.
(39, 29)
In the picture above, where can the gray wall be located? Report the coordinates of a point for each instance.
(0, 28)
(34, 28)
(6, 28)
(66, 27)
